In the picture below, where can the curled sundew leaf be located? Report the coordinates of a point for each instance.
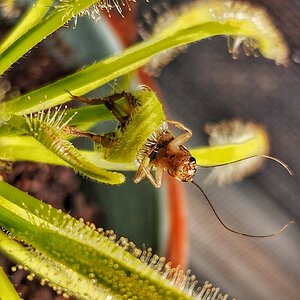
(257, 30)
(146, 117)
(231, 143)
(79, 260)
(48, 129)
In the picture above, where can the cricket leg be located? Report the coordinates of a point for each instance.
(144, 171)
(180, 140)
(75, 132)
(120, 113)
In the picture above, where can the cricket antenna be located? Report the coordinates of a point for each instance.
(283, 164)
(234, 231)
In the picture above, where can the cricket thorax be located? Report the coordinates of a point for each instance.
(152, 142)
(176, 160)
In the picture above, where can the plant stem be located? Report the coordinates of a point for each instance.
(62, 14)
(32, 17)
(102, 72)
(26, 148)
(7, 290)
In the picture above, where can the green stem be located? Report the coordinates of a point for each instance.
(62, 14)
(32, 17)
(7, 290)
(26, 148)
(89, 114)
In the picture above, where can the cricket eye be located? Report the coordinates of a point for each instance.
(192, 159)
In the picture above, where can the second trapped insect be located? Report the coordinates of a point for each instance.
(143, 135)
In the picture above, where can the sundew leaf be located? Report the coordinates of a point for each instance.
(63, 280)
(26, 148)
(231, 141)
(257, 30)
(193, 24)
(7, 290)
(30, 31)
(145, 118)
(32, 17)
(77, 259)
(216, 155)
(236, 150)
(48, 129)
(57, 18)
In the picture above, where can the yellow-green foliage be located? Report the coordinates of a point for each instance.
(146, 117)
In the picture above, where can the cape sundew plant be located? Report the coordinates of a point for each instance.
(73, 257)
